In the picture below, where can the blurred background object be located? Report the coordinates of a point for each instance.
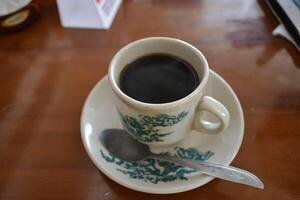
(288, 14)
(17, 14)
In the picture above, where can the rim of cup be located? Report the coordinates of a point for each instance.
(156, 106)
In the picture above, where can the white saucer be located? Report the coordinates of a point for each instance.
(153, 176)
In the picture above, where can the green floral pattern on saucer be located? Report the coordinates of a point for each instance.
(147, 128)
(155, 170)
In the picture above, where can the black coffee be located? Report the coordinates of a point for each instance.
(158, 78)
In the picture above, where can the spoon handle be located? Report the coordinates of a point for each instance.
(220, 171)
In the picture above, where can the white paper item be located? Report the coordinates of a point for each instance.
(280, 30)
(93, 14)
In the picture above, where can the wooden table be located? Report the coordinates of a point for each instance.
(47, 71)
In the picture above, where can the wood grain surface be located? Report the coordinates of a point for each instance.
(46, 72)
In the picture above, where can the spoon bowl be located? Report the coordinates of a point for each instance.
(120, 144)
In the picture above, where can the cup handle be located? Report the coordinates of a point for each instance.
(213, 106)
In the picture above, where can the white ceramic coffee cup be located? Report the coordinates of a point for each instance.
(166, 123)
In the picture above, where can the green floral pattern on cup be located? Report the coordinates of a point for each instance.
(155, 170)
(147, 128)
